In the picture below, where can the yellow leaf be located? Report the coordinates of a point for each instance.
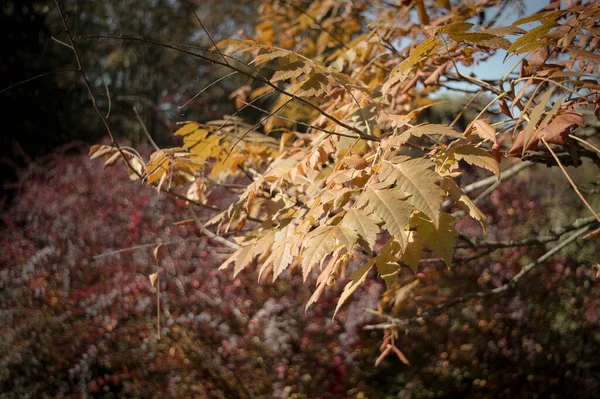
(392, 207)
(456, 27)
(153, 279)
(270, 55)
(420, 130)
(186, 129)
(317, 85)
(441, 240)
(356, 278)
(292, 70)
(414, 250)
(533, 35)
(365, 224)
(415, 178)
(464, 202)
(477, 156)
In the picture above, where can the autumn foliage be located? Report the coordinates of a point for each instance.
(338, 168)
(348, 181)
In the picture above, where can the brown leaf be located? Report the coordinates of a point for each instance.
(593, 234)
(504, 108)
(496, 153)
(155, 252)
(557, 131)
(539, 55)
(355, 162)
(484, 130)
(517, 148)
(435, 76)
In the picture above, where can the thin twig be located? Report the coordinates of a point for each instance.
(205, 31)
(206, 88)
(135, 247)
(109, 100)
(61, 42)
(41, 75)
(91, 91)
(260, 122)
(394, 322)
(255, 76)
(145, 130)
(587, 204)
(554, 235)
(210, 234)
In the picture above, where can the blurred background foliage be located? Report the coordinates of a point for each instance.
(55, 108)
(76, 324)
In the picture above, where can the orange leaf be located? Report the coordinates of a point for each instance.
(383, 355)
(400, 355)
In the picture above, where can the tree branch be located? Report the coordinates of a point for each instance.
(257, 77)
(394, 322)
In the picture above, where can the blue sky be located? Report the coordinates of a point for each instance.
(496, 67)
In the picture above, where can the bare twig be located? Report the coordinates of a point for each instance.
(61, 42)
(210, 234)
(587, 204)
(151, 104)
(206, 88)
(41, 75)
(257, 77)
(90, 90)
(554, 235)
(145, 130)
(205, 31)
(260, 122)
(135, 247)
(394, 322)
(491, 181)
(109, 100)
